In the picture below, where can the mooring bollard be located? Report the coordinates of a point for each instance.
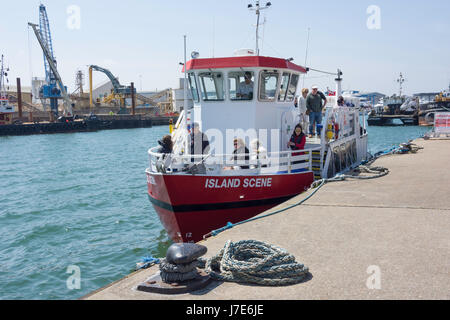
(178, 272)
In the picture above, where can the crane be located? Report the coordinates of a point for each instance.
(54, 88)
(119, 91)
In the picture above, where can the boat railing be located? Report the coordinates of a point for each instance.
(178, 136)
(232, 164)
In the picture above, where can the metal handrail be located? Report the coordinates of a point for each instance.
(282, 161)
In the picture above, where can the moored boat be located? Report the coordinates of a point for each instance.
(239, 100)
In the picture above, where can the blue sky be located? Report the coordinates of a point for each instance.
(142, 40)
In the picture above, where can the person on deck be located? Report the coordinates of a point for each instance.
(315, 107)
(240, 152)
(245, 89)
(199, 141)
(297, 141)
(258, 153)
(304, 121)
(166, 145)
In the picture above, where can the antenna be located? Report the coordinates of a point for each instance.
(306, 56)
(258, 9)
(400, 80)
(264, 31)
(213, 35)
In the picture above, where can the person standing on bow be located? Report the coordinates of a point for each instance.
(199, 141)
(315, 106)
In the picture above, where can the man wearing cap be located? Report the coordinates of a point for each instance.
(314, 108)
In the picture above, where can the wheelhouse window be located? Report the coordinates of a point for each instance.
(284, 86)
(268, 85)
(193, 86)
(211, 84)
(292, 87)
(241, 85)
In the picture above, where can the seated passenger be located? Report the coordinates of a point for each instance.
(166, 145)
(298, 141)
(258, 153)
(240, 153)
(166, 149)
(245, 89)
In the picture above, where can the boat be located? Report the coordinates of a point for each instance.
(194, 194)
(6, 109)
(427, 109)
(395, 110)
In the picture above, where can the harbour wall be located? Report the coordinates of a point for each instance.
(103, 122)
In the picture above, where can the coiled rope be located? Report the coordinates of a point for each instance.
(251, 261)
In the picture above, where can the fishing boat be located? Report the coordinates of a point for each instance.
(6, 109)
(440, 104)
(194, 194)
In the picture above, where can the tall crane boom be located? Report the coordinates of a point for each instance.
(44, 31)
(53, 79)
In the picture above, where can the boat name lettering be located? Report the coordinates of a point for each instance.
(236, 183)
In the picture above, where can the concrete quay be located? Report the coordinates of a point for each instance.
(396, 226)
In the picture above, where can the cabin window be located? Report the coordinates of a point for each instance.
(268, 85)
(292, 87)
(241, 85)
(284, 86)
(193, 86)
(211, 84)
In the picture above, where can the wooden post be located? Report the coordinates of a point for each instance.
(19, 97)
(133, 101)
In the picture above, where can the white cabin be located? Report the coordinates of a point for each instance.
(218, 103)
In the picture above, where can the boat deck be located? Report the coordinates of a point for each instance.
(398, 223)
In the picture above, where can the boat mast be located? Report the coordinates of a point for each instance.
(258, 9)
(338, 85)
(400, 80)
(1, 80)
(185, 97)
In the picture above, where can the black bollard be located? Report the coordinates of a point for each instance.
(178, 271)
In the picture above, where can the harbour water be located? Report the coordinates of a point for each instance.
(80, 200)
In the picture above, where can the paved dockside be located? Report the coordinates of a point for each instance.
(396, 226)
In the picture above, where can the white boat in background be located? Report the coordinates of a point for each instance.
(6, 109)
(410, 105)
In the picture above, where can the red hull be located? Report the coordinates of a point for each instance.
(191, 206)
